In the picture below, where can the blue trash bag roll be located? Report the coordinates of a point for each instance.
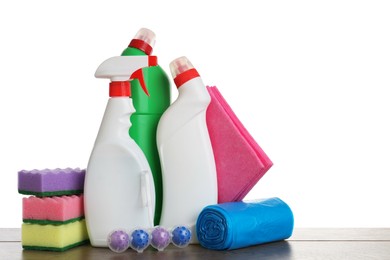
(236, 225)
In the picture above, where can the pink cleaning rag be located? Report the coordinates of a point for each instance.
(239, 160)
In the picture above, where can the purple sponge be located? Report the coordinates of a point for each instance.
(48, 182)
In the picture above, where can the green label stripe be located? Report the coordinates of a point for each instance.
(51, 222)
(51, 193)
(59, 249)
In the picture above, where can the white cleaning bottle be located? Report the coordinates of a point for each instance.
(187, 160)
(118, 188)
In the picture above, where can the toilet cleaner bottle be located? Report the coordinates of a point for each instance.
(187, 160)
(119, 188)
(149, 108)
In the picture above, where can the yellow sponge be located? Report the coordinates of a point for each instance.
(54, 237)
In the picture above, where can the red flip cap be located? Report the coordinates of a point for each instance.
(141, 45)
(185, 76)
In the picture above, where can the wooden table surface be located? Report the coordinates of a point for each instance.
(307, 243)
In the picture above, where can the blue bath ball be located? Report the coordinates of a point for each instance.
(181, 236)
(139, 240)
(118, 241)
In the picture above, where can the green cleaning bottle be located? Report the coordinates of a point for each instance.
(149, 107)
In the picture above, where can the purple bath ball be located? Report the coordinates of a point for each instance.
(160, 238)
(118, 241)
(181, 236)
(139, 240)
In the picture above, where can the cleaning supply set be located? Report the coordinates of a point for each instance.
(155, 164)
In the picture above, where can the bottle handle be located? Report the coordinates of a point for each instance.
(145, 194)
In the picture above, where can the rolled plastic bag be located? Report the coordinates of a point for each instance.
(236, 225)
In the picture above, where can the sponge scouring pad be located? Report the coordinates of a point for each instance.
(54, 238)
(53, 210)
(239, 160)
(48, 182)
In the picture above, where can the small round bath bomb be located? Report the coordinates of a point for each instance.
(118, 241)
(181, 236)
(139, 240)
(160, 238)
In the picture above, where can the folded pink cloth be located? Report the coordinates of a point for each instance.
(240, 161)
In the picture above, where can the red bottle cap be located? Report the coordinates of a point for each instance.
(182, 71)
(120, 89)
(144, 40)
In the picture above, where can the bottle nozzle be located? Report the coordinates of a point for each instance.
(144, 40)
(123, 69)
(179, 66)
(182, 70)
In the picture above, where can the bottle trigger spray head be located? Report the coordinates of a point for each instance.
(121, 69)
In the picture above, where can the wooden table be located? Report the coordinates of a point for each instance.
(313, 243)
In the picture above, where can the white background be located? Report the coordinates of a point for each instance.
(308, 79)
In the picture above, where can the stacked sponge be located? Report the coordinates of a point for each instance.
(54, 216)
